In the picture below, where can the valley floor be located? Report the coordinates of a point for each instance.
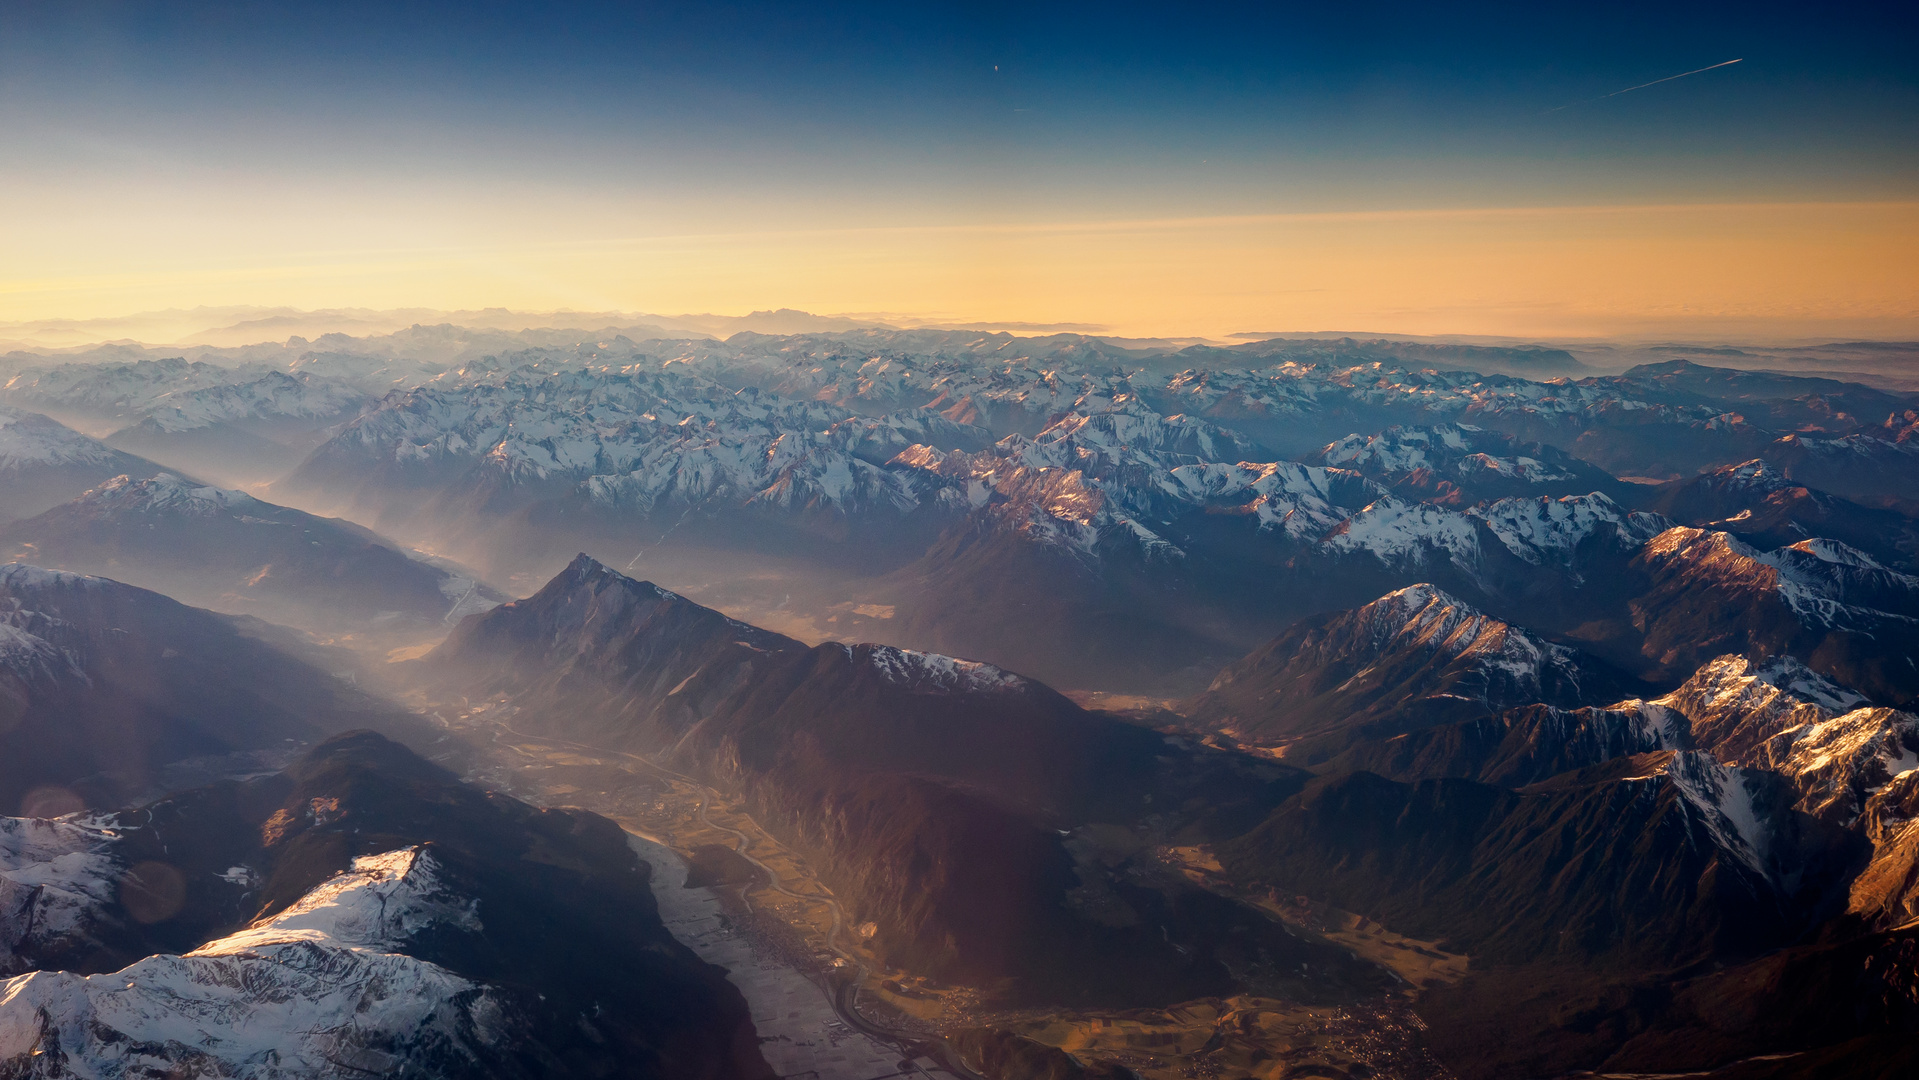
(783, 942)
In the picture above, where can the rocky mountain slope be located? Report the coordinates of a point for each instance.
(1829, 605)
(44, 463)
(229, 551)
(1412, 659)
(1662, 858)
(1873, 465)
(105, 688)
(1756, 502)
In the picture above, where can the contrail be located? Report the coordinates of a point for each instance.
(1643, 85)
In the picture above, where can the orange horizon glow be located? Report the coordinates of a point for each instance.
(1753, 270)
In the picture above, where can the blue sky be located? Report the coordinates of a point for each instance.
(1826, 99)
(762, 116)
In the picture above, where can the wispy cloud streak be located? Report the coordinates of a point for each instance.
(1642, 86)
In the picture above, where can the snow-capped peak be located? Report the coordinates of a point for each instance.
(166, 493)
(1784, 717)
(1426, 616)
(382, 902)
(1789, 674)
(1733, 705)
(932, 672)
(1757, 475)
(31, 439)
(1546, 530)
(315, 991)
(1837, 553)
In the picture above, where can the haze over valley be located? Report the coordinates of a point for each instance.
(958, 542)
(1028, 705)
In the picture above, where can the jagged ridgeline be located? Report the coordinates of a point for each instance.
(1302, 707)
(923, 487)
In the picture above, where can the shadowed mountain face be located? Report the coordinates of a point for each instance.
(230, 551)
(102, 685)
(1658, 858)
(931, 793)
(367, 903)
(1814, 1010)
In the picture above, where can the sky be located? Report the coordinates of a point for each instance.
(1155, 169)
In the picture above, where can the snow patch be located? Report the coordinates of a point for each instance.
(931, 671)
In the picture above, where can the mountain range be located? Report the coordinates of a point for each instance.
(1021, 706)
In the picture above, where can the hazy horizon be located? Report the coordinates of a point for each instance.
(236, 326)
(958, 541)
(1219, 172)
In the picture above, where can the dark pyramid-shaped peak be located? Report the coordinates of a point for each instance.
(1414, 658)
(592, 625)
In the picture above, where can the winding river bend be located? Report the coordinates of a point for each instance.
(801, 1033)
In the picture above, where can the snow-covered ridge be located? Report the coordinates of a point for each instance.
(1837, 764)
(1302, 502)
(1460, 397)
(274, 394)
(1456, 450)
(379, 904)
(643, 441)
(23, 576)
(1542, 531)
(1397, 532)
(1114, 468)
(652, 436)
(932, 672)
(1784, 717)
(115, 387)
(30, 626)
(315, 991)
(31, 439)
(1757, 476)
(25, 655)
(176, 394)
(1732, 704)
(168, 494)
(1546, 530)
(1789, 674)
